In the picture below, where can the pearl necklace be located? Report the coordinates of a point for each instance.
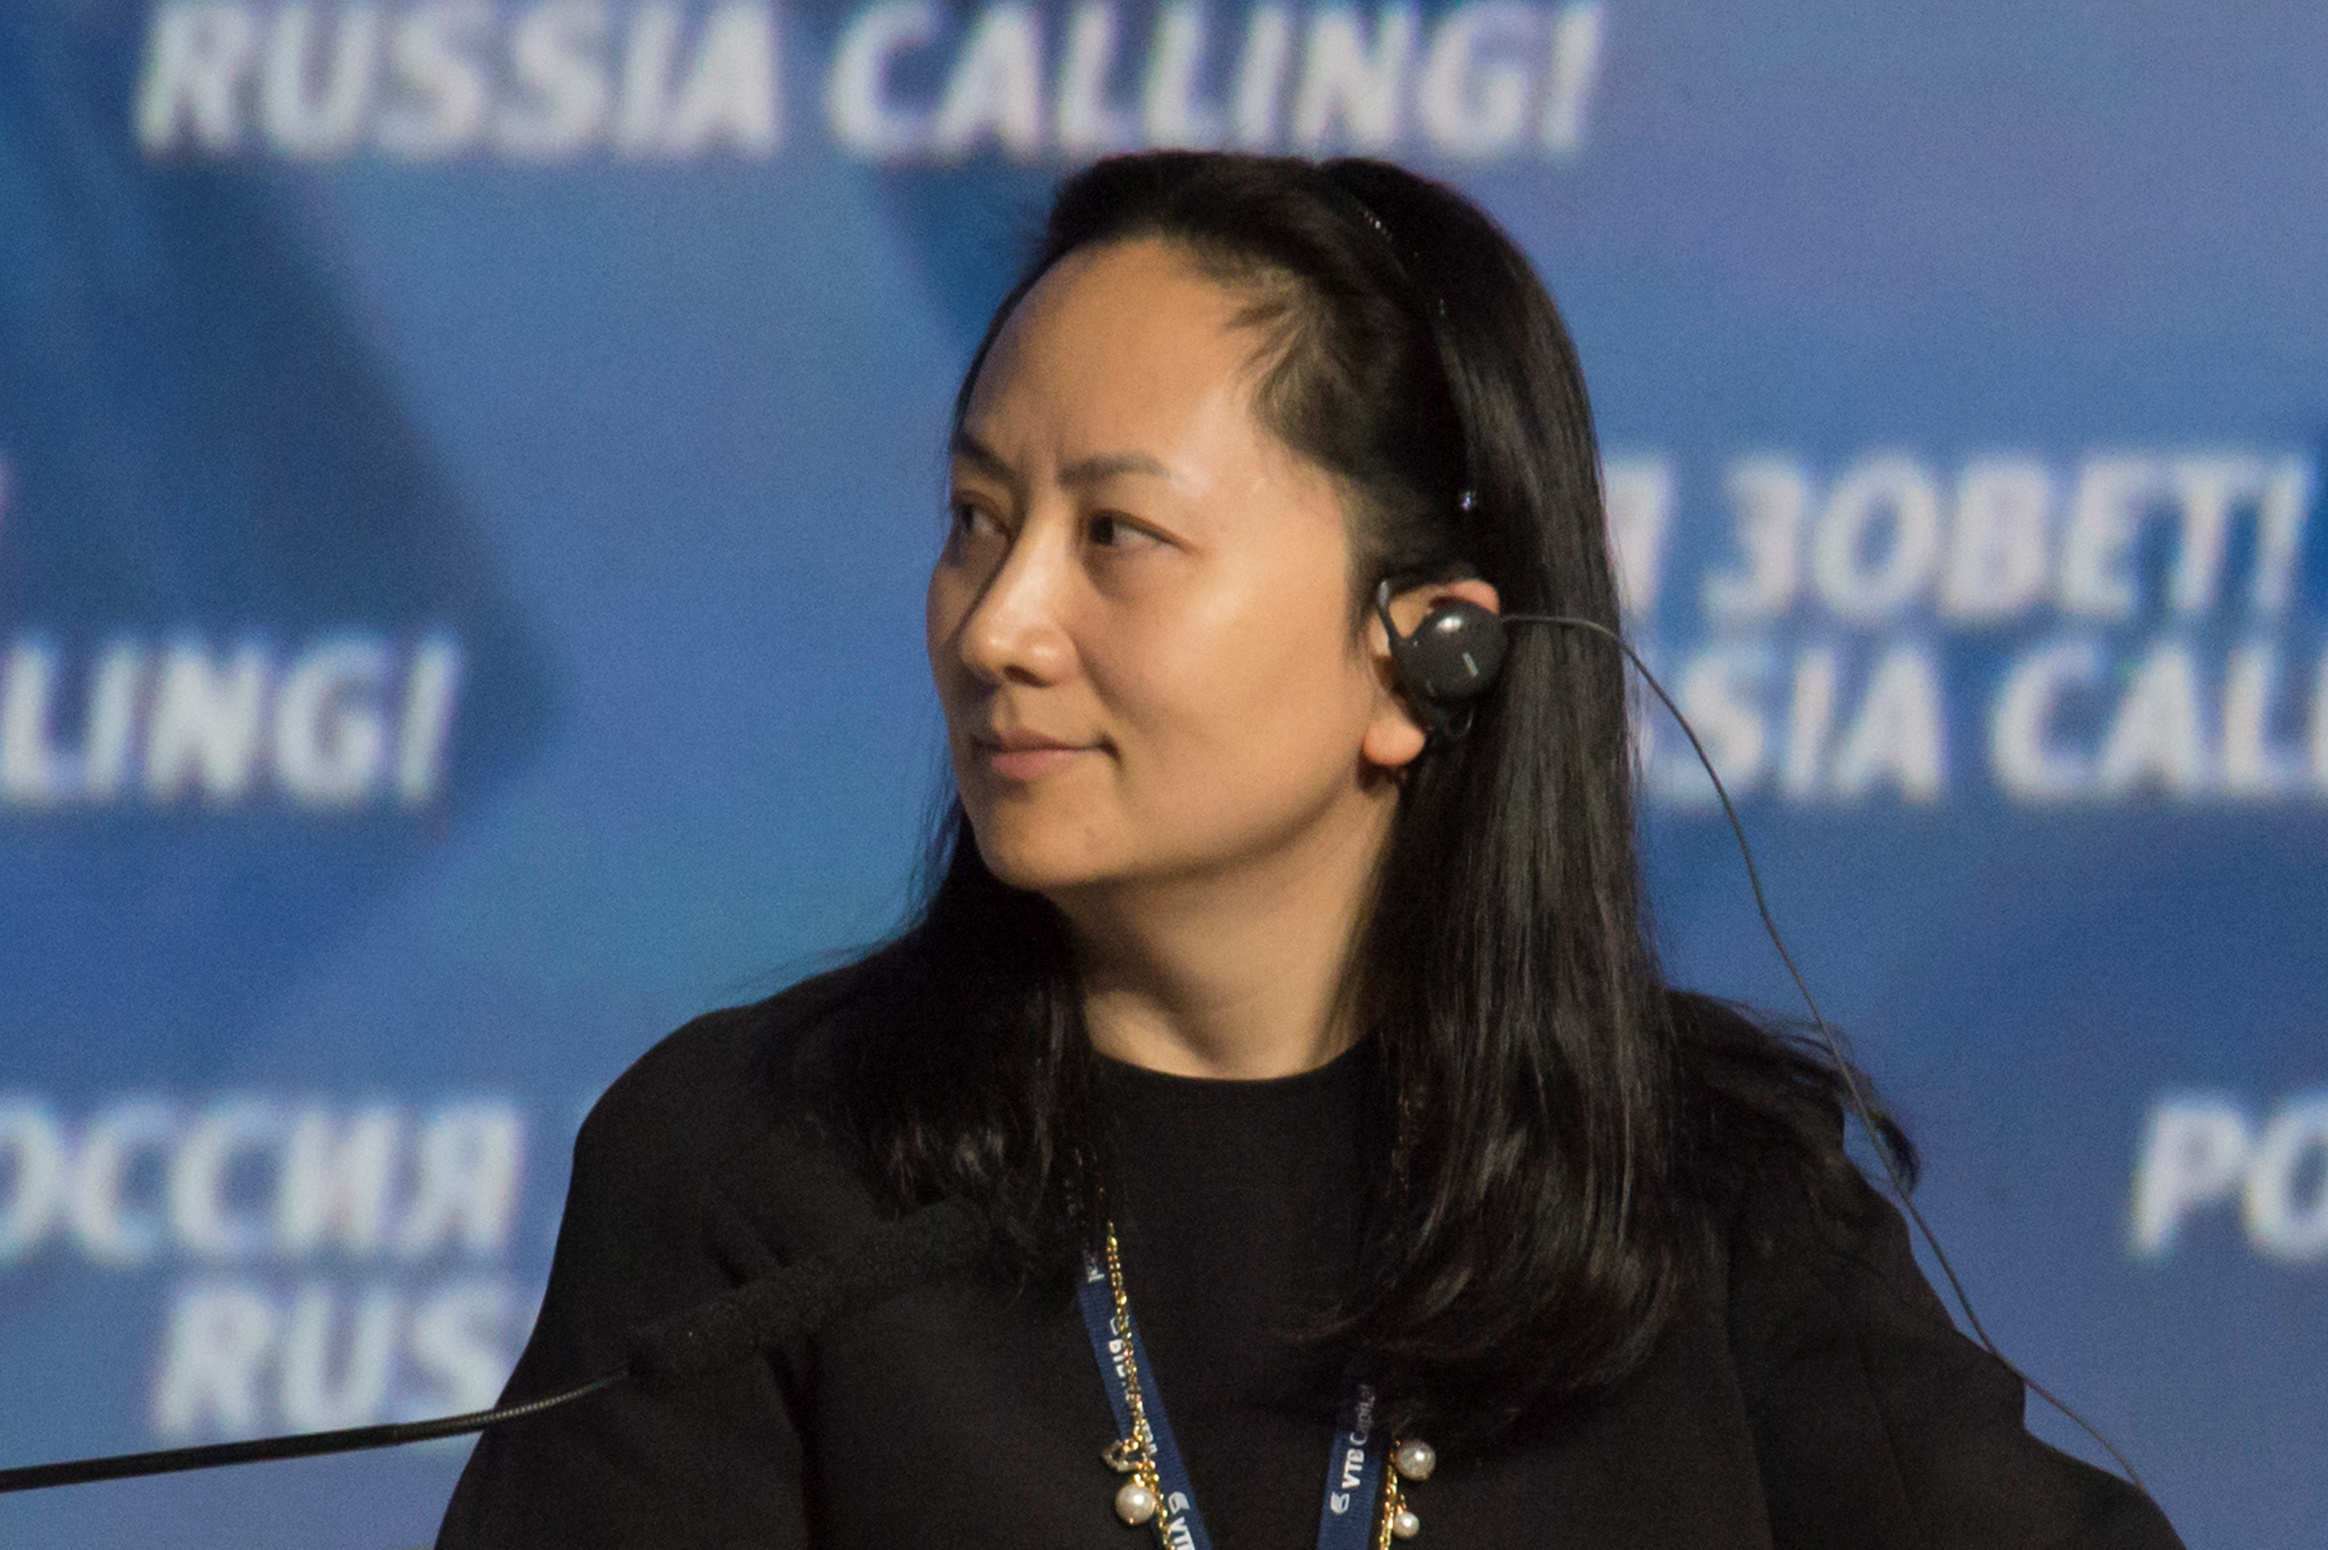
(1142, 1493)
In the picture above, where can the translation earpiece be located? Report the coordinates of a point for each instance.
(1451, 657)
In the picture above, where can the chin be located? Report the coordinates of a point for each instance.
(1031, 854)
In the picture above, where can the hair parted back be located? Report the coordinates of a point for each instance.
(1531, 1243)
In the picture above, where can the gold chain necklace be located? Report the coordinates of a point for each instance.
(1140, 1497)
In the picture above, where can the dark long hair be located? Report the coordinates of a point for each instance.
(1532, 1240)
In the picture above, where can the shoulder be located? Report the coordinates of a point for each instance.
(1761, 1113)
(1875, 1421)
(694, 1114)
(1735, 1066)
(1764, 1148)
(651, 1227)
(724, 1080)
(1813, 1250)
(650, 1221)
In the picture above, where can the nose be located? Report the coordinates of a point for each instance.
(1015, 631)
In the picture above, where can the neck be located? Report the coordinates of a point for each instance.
(1242, 975)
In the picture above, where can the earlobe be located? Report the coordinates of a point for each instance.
(1394, 738)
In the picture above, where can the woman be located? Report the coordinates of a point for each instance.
(1328, 1004)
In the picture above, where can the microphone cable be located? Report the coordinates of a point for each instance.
(260, 1450)
(796, 1300)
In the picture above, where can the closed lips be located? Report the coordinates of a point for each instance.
(1026, 755)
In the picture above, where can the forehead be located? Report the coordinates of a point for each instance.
(1120, 340)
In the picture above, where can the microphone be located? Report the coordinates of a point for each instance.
(921, 1246)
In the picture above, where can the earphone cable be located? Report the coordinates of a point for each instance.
(1861, 1108)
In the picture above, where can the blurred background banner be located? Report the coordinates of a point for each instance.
(467, 474)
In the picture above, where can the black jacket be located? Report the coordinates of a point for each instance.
(1815, 1395)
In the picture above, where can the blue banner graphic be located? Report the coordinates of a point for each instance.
(468, 470)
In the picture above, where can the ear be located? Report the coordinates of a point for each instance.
(1395, 734)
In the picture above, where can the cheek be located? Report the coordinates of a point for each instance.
(942, 610)
(1270, 701)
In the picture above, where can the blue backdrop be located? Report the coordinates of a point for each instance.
(466, 477)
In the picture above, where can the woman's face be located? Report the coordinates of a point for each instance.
(1140, 626)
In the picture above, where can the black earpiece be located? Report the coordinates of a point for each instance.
(1451, 658)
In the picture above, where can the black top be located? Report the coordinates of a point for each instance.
(1236, 1207)
(1813, 1395)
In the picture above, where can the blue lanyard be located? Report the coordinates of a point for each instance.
(1353, 1465)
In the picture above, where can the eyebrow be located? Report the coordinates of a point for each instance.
(1083, 471)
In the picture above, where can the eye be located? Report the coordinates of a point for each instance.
(966, 520)
(1106, 530)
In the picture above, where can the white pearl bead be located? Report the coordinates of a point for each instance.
(1135, 1503)
(1404, 1524)
(1415, 1460)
